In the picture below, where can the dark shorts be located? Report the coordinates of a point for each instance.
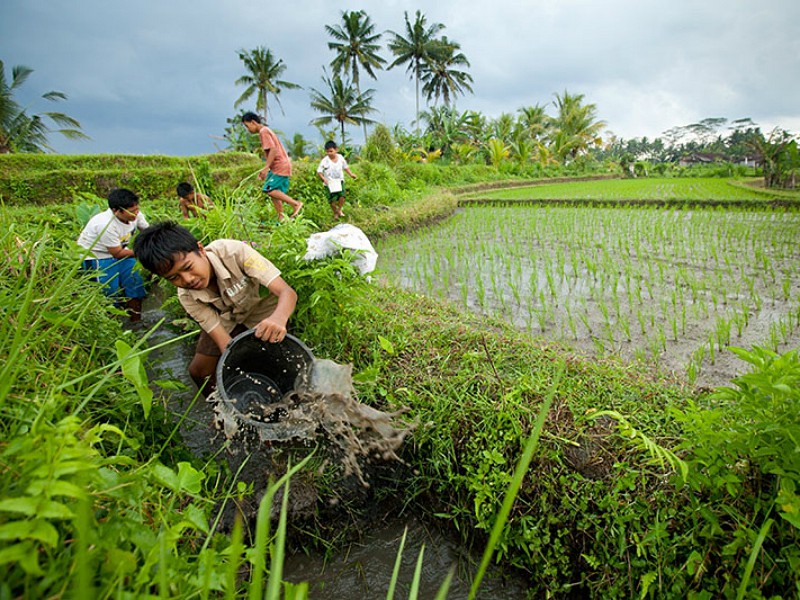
(334, 196)
(276, 182)
(208, 347)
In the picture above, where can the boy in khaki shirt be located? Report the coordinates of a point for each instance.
(219, 287)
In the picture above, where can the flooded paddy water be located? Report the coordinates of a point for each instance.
(669, 289)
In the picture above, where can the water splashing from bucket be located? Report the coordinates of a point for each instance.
(279, 392)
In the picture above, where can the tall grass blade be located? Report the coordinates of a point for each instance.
(396, 570)
(751, 562)
(234, 560)
(516, 482)
(83, 565)
(413, 593)
(277, 553)
(262, 531)
(445, 587)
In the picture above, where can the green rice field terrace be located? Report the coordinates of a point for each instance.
(636, 189)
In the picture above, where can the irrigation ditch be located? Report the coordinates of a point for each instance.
(361, 514)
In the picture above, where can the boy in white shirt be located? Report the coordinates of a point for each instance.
(106, 238)
(331, 170)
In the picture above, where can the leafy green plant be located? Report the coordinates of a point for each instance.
(744, 461)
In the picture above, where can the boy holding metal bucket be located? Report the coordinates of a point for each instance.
(218, 285)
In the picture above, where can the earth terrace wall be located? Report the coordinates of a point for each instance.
(775, 203)
(498, 185)
(47, 179)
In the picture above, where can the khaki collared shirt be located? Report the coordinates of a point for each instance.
(240, 272)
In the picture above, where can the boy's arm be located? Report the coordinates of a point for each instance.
(119, 252)
(184, 209)
(268, 158)
(273, 328)
(349, 172)
(204, 201)
(221, 337)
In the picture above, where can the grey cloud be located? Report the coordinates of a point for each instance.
(159, 76)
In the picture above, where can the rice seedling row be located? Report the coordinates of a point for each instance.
(672, 288)
(640, 189)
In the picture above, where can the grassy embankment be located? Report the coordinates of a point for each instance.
(604, 511)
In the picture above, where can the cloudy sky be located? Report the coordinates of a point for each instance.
(157, 76)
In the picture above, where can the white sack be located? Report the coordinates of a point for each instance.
(344, 235)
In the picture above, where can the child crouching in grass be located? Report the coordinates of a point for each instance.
(218, 285)
(192, 203)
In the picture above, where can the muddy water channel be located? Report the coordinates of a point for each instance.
(669, 289)
(361, 566)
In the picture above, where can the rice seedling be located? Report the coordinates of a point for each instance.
(582, 269)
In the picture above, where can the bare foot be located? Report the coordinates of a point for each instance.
(297, 209)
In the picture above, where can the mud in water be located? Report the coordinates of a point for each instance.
(322, 410)
(364, 569)
(321, 407)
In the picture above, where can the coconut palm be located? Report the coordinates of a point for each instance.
(21, 132)
(262, 79)
(575, 126)
(441, 76)
(344, 104)
(497, 151)
(522, 147)
(418, 45)
(356, 46)
(534, 120)
(446, 127)
(502, 127)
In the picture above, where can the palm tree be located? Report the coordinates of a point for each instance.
(262, 78)
(344, 104)
(497, 151)
(534, 120)
(576, 126)
(440, 75)
(446, 127)
(418, 45)
(356, 45)
(21, 132)
(503, 127)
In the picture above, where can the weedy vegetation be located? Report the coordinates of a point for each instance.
(592, 477)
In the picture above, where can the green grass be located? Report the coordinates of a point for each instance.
(598, 513)
(707, 189)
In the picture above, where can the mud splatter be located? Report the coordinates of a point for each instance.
(321, 405)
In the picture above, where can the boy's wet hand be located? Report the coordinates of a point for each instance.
(269, 331)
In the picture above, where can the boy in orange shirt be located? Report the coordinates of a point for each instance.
(277, 165)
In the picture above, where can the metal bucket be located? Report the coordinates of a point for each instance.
(253, 373)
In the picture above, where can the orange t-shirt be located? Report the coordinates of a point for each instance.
(281, 164)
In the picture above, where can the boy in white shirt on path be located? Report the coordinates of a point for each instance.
(331, 170)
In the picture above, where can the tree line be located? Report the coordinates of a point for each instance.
(440, 73)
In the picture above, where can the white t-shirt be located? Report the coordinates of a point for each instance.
(105, 230)
(332, 170)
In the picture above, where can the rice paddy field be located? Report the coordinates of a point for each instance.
(668, 289)
(655, 189)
